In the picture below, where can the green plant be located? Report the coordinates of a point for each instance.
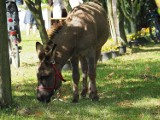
(144, 32)
(44, 1)
(110, 45)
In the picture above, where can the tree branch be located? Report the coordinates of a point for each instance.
(125, 11)
(35, 8)
(30, 5)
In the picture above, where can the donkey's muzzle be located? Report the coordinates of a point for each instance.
(44, 100)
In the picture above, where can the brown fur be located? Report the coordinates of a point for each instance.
(80, 39)
(54, 29)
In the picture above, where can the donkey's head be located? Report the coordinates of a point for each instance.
(48, 81)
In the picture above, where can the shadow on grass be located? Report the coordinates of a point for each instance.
(130, 82)
(136, 50)
(120, 86)
(28, 64)
(149, 48)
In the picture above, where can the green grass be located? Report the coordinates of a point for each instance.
(128, 86)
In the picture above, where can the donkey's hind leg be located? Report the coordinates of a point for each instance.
(84, 76)
(76, 77)
(91, 60)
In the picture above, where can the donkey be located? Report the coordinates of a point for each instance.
(85, 30)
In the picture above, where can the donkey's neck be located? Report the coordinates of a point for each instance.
(65, 45)
(62, 56)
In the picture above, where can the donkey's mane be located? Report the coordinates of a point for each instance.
(54, 30)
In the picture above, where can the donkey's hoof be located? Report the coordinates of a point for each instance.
(94, 97)
(75, 98)
(75, 101)
(83, 93)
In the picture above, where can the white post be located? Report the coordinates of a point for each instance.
(57, 9)
(75, 3)
(46, 16)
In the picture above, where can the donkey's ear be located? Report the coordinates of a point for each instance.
(51, 53)
(39, 47)
(40, 50)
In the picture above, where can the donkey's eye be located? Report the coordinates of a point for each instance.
(44, 77)
(47, 59)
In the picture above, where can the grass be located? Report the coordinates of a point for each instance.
(128, 86)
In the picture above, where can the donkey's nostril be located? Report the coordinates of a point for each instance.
(47, 100)
(41, 99)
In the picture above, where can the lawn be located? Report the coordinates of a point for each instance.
(128, 86)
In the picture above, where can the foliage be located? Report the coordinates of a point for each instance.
(131, 10)
(157, 3)
(158, 11)
(5, 75)
(144, 32)
(110, 45)
(44, 1)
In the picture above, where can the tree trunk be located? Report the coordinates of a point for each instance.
(116, 22)
(133, 18)
(122, 31)
(111, 20)
(133, 26)
(41, 27)
(5, 74)
(131, 10)
(121, 24)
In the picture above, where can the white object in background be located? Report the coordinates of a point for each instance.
(75, 3)
(57, 9)
(46, 16)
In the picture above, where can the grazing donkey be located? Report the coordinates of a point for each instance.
(86, 29)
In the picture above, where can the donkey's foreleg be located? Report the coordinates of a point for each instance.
(76, 77)
(92, 77)
(84, 76)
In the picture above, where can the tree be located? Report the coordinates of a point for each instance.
(144, 15)
(131, 9)
(35, 8)
(116, 21)
(157, 3)
(111, 15)
(5, 74)
(121, 22)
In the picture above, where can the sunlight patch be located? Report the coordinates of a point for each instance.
(143, 103)
(147, 102)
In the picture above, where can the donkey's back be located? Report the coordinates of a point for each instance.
(90, 19)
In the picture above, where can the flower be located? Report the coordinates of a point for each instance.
(110, 45)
